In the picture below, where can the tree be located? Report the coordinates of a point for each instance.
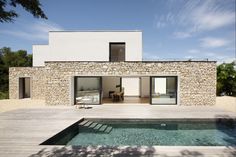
(32, 6)
(226, 78)
(8, 59)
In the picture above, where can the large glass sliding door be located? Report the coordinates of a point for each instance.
(88, 90)
(164, 90)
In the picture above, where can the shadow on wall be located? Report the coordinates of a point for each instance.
(125, 151)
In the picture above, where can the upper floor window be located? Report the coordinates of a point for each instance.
(117, 52)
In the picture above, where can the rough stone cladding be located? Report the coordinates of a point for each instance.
(37, 81)
(197, 80)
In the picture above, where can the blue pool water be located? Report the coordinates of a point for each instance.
(173, 133)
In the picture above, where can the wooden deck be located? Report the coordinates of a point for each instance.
(21, 131)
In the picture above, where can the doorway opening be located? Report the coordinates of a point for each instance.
(24, 88)
(132, 90)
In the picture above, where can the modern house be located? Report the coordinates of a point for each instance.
(92, 65)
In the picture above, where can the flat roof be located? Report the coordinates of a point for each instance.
(207, 61)
(98, 31)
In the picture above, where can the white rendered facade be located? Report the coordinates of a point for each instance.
(87, 46)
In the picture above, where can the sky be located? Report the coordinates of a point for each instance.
(172, 29)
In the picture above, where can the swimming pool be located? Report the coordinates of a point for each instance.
(182, 132)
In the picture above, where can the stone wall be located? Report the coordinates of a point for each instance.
(37, 81)
(197, 80)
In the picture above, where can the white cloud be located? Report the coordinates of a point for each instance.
(164, 20)
(196, 16)
(231, 48)
(189, 57)
(150, 56)
(210, 54)
(182, 35)
(209, 16)
(160, 24)
(16, 33)
(36, 31)
(210, 42)
(42, 26)
(226, 60)
(193, 51)
(201, 53)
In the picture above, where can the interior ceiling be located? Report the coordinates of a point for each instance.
(118, 48)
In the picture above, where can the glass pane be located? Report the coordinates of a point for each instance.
(117, 52)
(87, 90)
(164, 90)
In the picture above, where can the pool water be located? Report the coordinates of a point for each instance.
(172, 133)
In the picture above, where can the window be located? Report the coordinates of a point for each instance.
(117, 52)
(164, 90)
(88, 90)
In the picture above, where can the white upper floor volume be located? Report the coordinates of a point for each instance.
(89, 46)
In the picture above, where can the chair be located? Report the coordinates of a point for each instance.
(117, 96)
(79, 102)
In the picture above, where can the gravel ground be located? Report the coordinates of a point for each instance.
(225, 102)
(13, 104)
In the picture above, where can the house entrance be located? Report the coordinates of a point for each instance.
(24, 88)
(132, 90)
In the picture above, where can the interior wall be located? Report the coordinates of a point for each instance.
(171, 83)
(145, 86)
(21, 88)
(72, 90)
(109, 84)
(27, 88)
(160, 85)
(131, 86)
(24, 88)
(84, 83)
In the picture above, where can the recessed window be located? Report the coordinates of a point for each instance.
(117, 52)
(87, 90)
(164, 90)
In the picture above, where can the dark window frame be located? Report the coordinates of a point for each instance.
(100, 90)
(176, 84)
(116, 43)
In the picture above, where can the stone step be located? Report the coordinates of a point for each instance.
(93, 125)
(108, 130)
(97, 127)
(103, 128)
(83, 122)
(88, 123)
